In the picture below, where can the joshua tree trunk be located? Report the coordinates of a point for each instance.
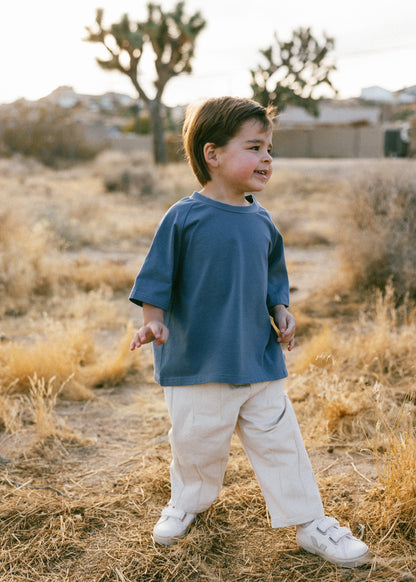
(159, 147)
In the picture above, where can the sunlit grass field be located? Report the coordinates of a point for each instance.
(84, 455)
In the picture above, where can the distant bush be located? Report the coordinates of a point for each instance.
(140, 125)
(134, 173)
(25, 267)
(133, 181)
(45, 132)
(378, 238)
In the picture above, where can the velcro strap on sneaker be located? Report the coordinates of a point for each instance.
(338, 533)
(326, 523)
(174, 512)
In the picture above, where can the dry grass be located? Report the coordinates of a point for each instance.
(299, 206)
(68, 356)
(342, 369)
(26, 266)
(394, 496)
(377, 234)
(84, 472)
(104, 534)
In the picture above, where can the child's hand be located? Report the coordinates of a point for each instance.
(154, 330)
(286, 325)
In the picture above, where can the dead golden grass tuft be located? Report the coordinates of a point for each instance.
(88, 274)
(340, 370)
(11, 411)
(43, 396)
(67, 357)
(317, 352)
(42, 402)
(60, 355)
(379, 345)
(113, 366)
(393, 498)
(376, 238)
(26, 266)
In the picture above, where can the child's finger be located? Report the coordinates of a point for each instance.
(135, 344)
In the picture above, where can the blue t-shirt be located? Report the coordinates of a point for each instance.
(216, 270)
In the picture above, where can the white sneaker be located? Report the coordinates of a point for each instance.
(336, 544)
(173, 525)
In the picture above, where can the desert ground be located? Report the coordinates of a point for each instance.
(84, 452)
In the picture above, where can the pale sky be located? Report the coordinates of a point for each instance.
(41, 44)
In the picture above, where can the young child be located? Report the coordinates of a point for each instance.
(213, 280)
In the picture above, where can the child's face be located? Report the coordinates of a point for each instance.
(245, 162)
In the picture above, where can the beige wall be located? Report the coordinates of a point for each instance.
(412, 136)
(329, 142)
(319, 142)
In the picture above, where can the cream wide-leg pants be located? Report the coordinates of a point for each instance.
(204, 417)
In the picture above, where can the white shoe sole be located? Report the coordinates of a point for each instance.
(171, 540)
(343, 562)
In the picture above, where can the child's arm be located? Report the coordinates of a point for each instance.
(152, 329)
(286, 324)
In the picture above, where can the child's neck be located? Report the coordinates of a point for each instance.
(224, 196)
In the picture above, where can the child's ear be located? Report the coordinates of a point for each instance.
(210, 154)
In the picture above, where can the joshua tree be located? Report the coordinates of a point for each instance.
(171, 35)
(294, 70)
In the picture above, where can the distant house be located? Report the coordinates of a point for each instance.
(63, 96)
(407, 95)
(111, 101)
(377, 95)
(331, 113)
(385, 97)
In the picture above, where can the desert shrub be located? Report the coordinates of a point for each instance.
(393, 497)
(72, 370)
(133, 173)
(135, 181)
(25, 267)
(45, 132)
(90, 275)
(378, 235)
(349, 375)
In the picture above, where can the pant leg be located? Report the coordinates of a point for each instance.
(270, 434)
(203, 420)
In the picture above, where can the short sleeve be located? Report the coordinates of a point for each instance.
(155, 281)
(278, 281)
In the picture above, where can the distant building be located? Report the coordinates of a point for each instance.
(377, 95)
(383, 96)
(67, 98)
(331, 113)
(407, 95)
(64, 96)
(343, 129)
(111, 101)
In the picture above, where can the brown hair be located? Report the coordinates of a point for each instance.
(216, 121)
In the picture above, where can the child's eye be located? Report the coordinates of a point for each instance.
(255, 148)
